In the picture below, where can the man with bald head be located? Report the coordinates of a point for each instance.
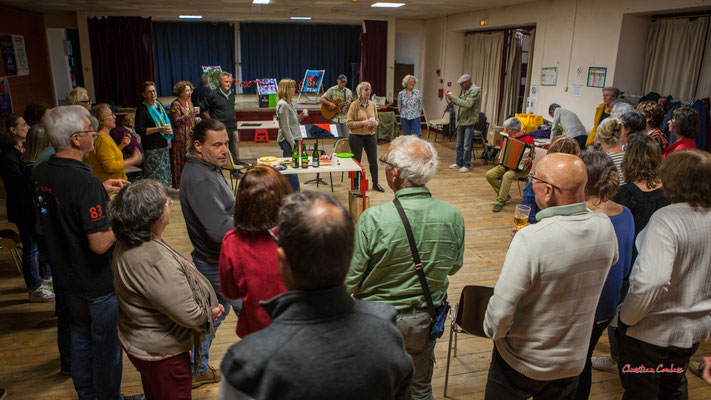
(321, 344)
(541, 314)
(382, 268)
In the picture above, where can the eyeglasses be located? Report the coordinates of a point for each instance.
(82, 133)
(383, 161)
(274, 236)
(532, 176)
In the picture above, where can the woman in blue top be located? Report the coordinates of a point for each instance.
(153, 125)
(409, 103)
(603, 182)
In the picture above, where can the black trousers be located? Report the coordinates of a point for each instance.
(585, 377)
(505, 382)
(650, 372)
(370, 143)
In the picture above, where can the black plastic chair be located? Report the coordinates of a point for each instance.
(467, 317)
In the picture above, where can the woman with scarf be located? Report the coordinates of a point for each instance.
(153, 125)
(166, 306)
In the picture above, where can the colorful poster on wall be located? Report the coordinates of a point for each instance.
(14, 55)
(266, 86)
(312, 80)
(596, 77)
(5, 99)
(8, 54)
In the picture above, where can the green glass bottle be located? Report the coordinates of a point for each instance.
(315, 156)
(304, 157)
(295, 156)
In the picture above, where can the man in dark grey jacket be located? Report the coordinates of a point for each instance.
(322, 343)
(208, 205)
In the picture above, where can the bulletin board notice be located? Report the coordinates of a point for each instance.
(596, 77)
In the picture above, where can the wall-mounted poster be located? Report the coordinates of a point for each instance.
(14, 55)
(5, 99)
(312, 81)
(596, 77)
(549, 76)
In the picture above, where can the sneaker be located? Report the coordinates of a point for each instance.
(464, 169)
(48, 283)
(497, 207)
(454, 166)
(604, 363)
(41, 295)
(211, 375)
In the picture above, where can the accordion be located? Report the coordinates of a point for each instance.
(514, 152)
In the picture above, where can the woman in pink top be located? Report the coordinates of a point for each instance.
(248, 262)
(685, 125)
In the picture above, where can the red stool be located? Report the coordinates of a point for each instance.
(261, 135)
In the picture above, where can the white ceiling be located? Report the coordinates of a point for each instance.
(277, 10)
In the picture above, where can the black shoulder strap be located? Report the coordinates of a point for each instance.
(416, 258)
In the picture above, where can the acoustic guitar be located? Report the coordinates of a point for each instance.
(328, 113)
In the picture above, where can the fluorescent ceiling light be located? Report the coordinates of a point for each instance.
(301, 18)
(387, 5)
(260, 1)
(190, 17)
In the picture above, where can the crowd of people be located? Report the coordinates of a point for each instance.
(617, 241)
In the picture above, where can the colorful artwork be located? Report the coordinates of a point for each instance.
(5, 99)
(213, 72)
(312, 81)
(266, 86)
(8, 54)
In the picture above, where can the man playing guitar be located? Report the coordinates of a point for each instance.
(336, 101)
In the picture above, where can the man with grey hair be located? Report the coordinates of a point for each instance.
(500, 177)
(469, 102)
(321, 342)
(220, 105)
(569, 123)
(71, 203)
(382, 268)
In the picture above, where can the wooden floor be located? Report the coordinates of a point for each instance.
(29, 361)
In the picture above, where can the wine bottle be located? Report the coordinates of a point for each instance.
(315, 156)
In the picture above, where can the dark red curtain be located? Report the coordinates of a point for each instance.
(122, 58)
(373, 54)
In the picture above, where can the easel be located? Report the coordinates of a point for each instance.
(319, 73)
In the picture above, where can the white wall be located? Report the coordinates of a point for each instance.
(407, 50)
(569, 33)
(60, 64)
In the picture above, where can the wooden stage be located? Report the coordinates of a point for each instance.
(29, 361)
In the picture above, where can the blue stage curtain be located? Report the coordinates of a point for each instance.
(288, 50)
(180, 49)
(121, 57)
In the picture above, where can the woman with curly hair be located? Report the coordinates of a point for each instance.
(602, 185)
(654, 114)
(685, 125)
(182, 114)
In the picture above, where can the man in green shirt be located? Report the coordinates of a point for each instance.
(334, 93)
(469, 102)
(382, 268)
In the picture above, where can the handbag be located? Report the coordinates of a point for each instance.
(437, 316)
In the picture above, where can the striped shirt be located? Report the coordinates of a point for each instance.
(617, 159)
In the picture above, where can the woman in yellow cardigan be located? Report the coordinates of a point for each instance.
(106, 159)
(609, 94)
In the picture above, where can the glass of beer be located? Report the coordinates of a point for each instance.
(521, 215)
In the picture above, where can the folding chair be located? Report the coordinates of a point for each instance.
(467, 317)
(235, 168)
(439, 123)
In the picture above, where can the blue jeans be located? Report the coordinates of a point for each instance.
(464, 145)
(32, 270)
(287, 151)
(212, 274)
(96, 351)
(410, 126)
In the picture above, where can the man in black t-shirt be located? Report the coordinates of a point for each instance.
(71, 203)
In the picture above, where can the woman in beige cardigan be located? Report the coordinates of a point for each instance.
(362, 118)
(166, 305)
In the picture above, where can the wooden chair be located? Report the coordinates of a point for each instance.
(467, 317)
(10, 242)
